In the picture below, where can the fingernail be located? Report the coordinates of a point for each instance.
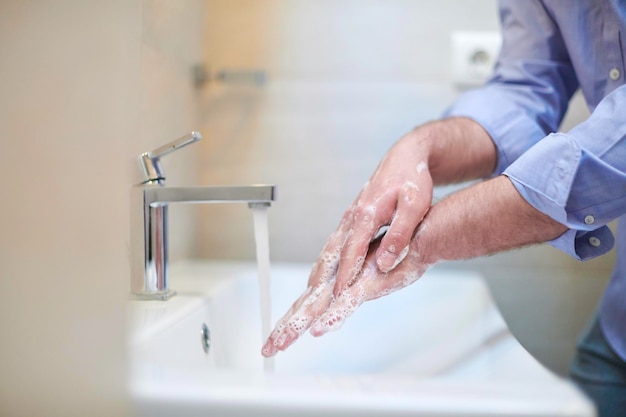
(337, 291)
(281, 340)
(317, 329)
(386, 261)
(268, 350)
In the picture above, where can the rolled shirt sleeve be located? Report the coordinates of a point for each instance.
(532, 84)
(579, 178)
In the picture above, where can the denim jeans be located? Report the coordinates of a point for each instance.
(600, 373)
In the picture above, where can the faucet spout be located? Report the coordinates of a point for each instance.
(216, 194)
(149, 214)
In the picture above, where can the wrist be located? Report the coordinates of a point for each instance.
(424, 246)
(457, 149)
(483, 219)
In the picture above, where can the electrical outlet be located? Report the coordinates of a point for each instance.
(474, 54)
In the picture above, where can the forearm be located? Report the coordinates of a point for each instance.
(458, 149)
(483, 219)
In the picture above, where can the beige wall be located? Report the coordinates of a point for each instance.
(85, 86)
(68, 114)
(346, 79)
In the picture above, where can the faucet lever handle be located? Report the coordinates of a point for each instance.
(176, 144)
(150, 162)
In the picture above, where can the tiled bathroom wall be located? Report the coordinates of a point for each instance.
(345, 79)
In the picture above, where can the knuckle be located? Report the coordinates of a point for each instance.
(397, 237)
(365, 212)
(411, 198)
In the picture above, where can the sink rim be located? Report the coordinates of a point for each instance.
(233, 389)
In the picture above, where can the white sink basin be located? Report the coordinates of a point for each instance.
(437, 348)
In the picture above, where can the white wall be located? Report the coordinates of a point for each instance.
(346, 40)
(346, 79)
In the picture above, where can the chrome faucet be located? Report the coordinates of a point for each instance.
(149, 202)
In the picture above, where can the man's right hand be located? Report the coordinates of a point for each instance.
(398, 195)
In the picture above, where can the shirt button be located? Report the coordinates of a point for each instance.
(594, 241)
(589, 219)
(614, 74)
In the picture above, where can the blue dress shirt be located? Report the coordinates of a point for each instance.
(550, 49)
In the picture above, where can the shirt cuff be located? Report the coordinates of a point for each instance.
(544, 176)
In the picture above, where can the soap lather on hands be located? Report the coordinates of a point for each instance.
(353, 267)
(318, 309)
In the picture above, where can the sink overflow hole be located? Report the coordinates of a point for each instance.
(205, 338)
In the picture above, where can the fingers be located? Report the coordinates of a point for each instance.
(349, 300)
(367, 221)
(404, 206)
(370, 284)
(340, 309)
(269, 348)
(313, 302)
(325, 267)
(299, 318)
(392, 197)
(412, 205)
(318, 310)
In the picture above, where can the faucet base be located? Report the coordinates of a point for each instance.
(160, 296)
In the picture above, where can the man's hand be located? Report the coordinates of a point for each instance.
(320, 311)
(398, 195)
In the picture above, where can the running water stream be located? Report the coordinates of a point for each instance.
(261, 236)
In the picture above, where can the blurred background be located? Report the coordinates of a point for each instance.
(307, 95)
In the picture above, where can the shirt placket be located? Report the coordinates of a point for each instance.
(614, 70)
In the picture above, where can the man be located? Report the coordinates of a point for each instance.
(542, 186)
